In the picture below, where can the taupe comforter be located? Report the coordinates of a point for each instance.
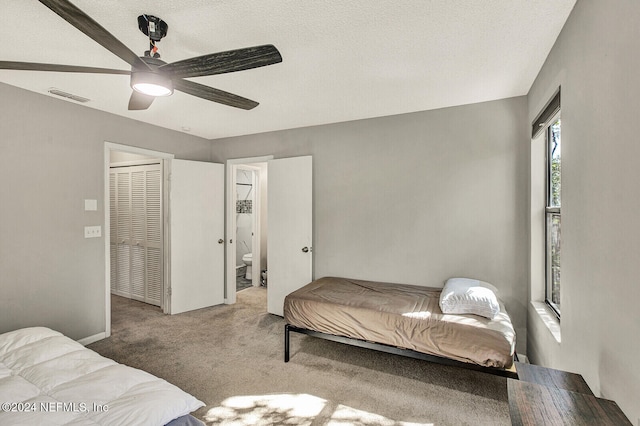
(400, 315)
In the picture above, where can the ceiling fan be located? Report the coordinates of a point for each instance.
(150, 76)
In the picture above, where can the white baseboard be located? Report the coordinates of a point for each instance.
(89, 340)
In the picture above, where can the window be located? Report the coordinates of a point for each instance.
(553, 218)
(546, 128)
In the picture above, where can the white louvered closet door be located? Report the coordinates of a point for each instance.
(113, 226)
(136, 233)
(154, 249)
(123, 233)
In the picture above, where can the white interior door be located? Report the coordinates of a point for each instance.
(197, 235)
(289, 218)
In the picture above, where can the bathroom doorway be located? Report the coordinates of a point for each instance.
(286, 262)
(246, 225)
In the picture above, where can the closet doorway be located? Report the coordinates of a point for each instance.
(142, 161)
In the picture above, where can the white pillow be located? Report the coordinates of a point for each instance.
(469, 296)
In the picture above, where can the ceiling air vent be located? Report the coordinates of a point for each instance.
(73, 97)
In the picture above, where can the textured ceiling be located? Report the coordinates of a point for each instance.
(341, 60)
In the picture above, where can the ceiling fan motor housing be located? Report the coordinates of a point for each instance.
(151, 77)
(153, 27)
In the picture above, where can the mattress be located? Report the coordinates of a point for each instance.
(404, 316)
(48, 378)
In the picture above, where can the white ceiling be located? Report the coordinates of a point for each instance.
(342, 60)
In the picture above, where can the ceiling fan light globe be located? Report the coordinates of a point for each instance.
(152, 89)
(151, 84)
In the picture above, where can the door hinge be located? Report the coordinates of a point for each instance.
(169, 291)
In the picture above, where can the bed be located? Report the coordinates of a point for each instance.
(401, 319)
(48, 378)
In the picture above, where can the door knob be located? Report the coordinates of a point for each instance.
(305, 249)
(220, 241)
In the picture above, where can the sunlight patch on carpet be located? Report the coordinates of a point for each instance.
(294, 409)
(344, 415)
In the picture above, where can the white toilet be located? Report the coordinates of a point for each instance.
(248, 259)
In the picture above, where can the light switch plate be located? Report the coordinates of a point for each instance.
(90, 205)
(93, 231)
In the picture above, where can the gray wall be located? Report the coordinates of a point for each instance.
(596, 61)
(51, 159)
(417, 198)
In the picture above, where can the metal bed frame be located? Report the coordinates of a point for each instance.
(381, 347)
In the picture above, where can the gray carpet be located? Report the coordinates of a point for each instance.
(231, 358)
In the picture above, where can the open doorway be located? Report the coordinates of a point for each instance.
(247, 237)
(246, 225)
(127, 256)
(289, 226)
(136, 229)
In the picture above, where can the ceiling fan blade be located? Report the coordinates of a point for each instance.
(215, 95)
(223, 62)
(33, 66)
(139, 101)
(91, 28)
